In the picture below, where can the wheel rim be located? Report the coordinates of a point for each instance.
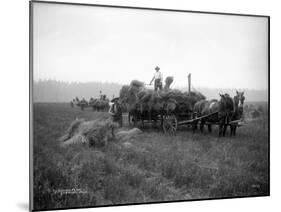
(132, 120)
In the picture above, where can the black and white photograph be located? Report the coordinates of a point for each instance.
(135, 105)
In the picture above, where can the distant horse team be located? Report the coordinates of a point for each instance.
(97, 104)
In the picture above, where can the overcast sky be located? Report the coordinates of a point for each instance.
(80, 43)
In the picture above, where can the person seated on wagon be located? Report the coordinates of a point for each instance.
(157, 77)
(115, 111)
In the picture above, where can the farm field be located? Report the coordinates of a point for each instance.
(148, 168)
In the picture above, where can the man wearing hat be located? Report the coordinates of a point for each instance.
(115, 111)
(157, 77)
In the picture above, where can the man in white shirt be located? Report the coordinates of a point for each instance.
(157, 77)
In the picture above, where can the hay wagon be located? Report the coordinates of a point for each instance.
(175, 108)
(82, 104)
(169, 108)
(170, 121)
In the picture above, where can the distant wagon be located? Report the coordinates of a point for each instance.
(97, 104)
(101, 104)
(82, 104)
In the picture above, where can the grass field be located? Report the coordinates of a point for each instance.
(151, 167)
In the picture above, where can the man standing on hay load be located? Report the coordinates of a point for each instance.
(115, 111)
(157, 79)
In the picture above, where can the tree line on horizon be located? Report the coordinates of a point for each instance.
(60, 91)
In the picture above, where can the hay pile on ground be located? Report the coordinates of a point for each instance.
(127, 135)
(255, 114)
(138, 98)
(95, 133)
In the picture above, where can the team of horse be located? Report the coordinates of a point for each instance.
(97, 104)
(225, 112)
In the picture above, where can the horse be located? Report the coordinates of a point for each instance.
(82, 104)
(92, 103)
(102, 104)
(221, 111)
(71, 103)
(238, 102)
(76, 102)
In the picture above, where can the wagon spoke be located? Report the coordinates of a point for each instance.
(170, 124)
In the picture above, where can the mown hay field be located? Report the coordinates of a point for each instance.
(148, 168)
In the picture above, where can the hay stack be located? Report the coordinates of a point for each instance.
(128, 135)
(194, 96)
(123, 97)
(255, 114)
(95, 133)
(138, 98)
(129, 95)
(177, 100)
(168, 81)
(123, 94)
(136, 84)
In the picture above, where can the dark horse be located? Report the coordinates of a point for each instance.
(219, 111)
(71, 103)
(82, 104)
(237, 114)
(92, 103)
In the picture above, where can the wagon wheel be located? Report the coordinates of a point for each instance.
(170, 124)
(131, 119)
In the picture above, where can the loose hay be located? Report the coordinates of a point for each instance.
(168, 81)
(72, 130)
(128, 134)
(136, 83)
(95, 133)
(138, 98)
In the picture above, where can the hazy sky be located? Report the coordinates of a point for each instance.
(79, 43)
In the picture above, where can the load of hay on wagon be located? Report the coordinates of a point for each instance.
(136, 98)
(101, 104)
